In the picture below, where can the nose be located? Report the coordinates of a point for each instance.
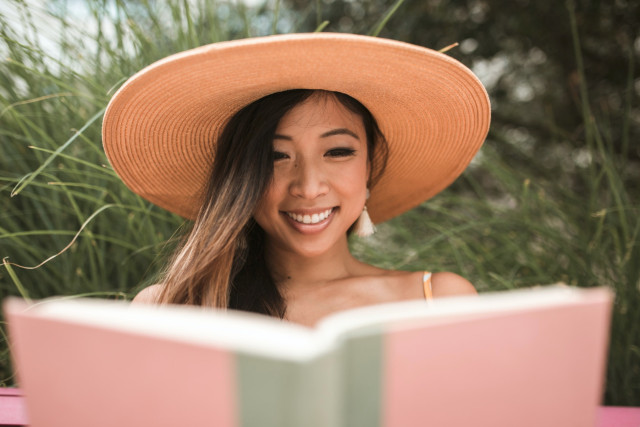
(309, 180)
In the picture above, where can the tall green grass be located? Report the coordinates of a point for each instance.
(67, 225)
(505, 225)
(501, 226)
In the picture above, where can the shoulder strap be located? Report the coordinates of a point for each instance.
(426, 285)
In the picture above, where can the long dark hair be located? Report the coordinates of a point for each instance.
(221, 261)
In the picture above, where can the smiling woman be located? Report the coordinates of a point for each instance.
(276, 177)
(320, 175)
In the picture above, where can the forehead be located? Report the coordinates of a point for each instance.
(320, 110)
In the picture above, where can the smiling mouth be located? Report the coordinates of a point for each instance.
(310, 219)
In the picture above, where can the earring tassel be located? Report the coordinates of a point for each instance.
(364, 226)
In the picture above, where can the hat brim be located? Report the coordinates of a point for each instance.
(160, 127)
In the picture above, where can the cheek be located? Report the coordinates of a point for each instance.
(261, 218)
(353, 177)
(267, 205)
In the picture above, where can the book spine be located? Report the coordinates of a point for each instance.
(362, 380)
(278, 393)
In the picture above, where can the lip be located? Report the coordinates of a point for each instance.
(309, 228)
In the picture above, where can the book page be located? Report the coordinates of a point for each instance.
(455, 308)
(241, 331)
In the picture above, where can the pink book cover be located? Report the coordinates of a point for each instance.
(74, 382)
(522, 358)
(527, 368)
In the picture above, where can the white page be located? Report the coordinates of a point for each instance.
(271, 337)
(490, 303)
(242, 331)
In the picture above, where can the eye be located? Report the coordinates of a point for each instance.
(340, 152)
(278, 155)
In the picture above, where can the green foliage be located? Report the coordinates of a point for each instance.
(509, 224)
(518, 217)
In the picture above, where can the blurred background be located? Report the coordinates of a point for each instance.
(552, 197)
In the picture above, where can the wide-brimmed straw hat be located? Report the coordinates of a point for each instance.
(160, 128)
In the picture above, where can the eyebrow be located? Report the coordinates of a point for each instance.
(332, 132)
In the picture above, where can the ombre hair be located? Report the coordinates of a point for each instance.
(220, 262)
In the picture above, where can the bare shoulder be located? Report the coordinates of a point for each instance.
(148, 295)
(448, 284)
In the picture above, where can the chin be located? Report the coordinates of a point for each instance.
(315, 249)
(310, 252)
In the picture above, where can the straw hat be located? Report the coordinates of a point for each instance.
(160, 128)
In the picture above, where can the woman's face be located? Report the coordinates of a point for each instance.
(320, 175)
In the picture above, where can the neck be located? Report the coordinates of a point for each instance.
(295, 272)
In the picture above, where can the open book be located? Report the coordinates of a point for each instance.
(531, 357)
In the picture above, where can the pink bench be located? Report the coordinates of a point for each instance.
(13, 412)
(12, 409)
(616, 416)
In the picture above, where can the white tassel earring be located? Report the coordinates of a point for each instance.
(364, 226)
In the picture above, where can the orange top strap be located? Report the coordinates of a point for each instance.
(426, 285)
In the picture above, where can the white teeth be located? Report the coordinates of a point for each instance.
(310, 219)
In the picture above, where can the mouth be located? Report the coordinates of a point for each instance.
(314, 218)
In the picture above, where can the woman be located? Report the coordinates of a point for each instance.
(276, 177)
